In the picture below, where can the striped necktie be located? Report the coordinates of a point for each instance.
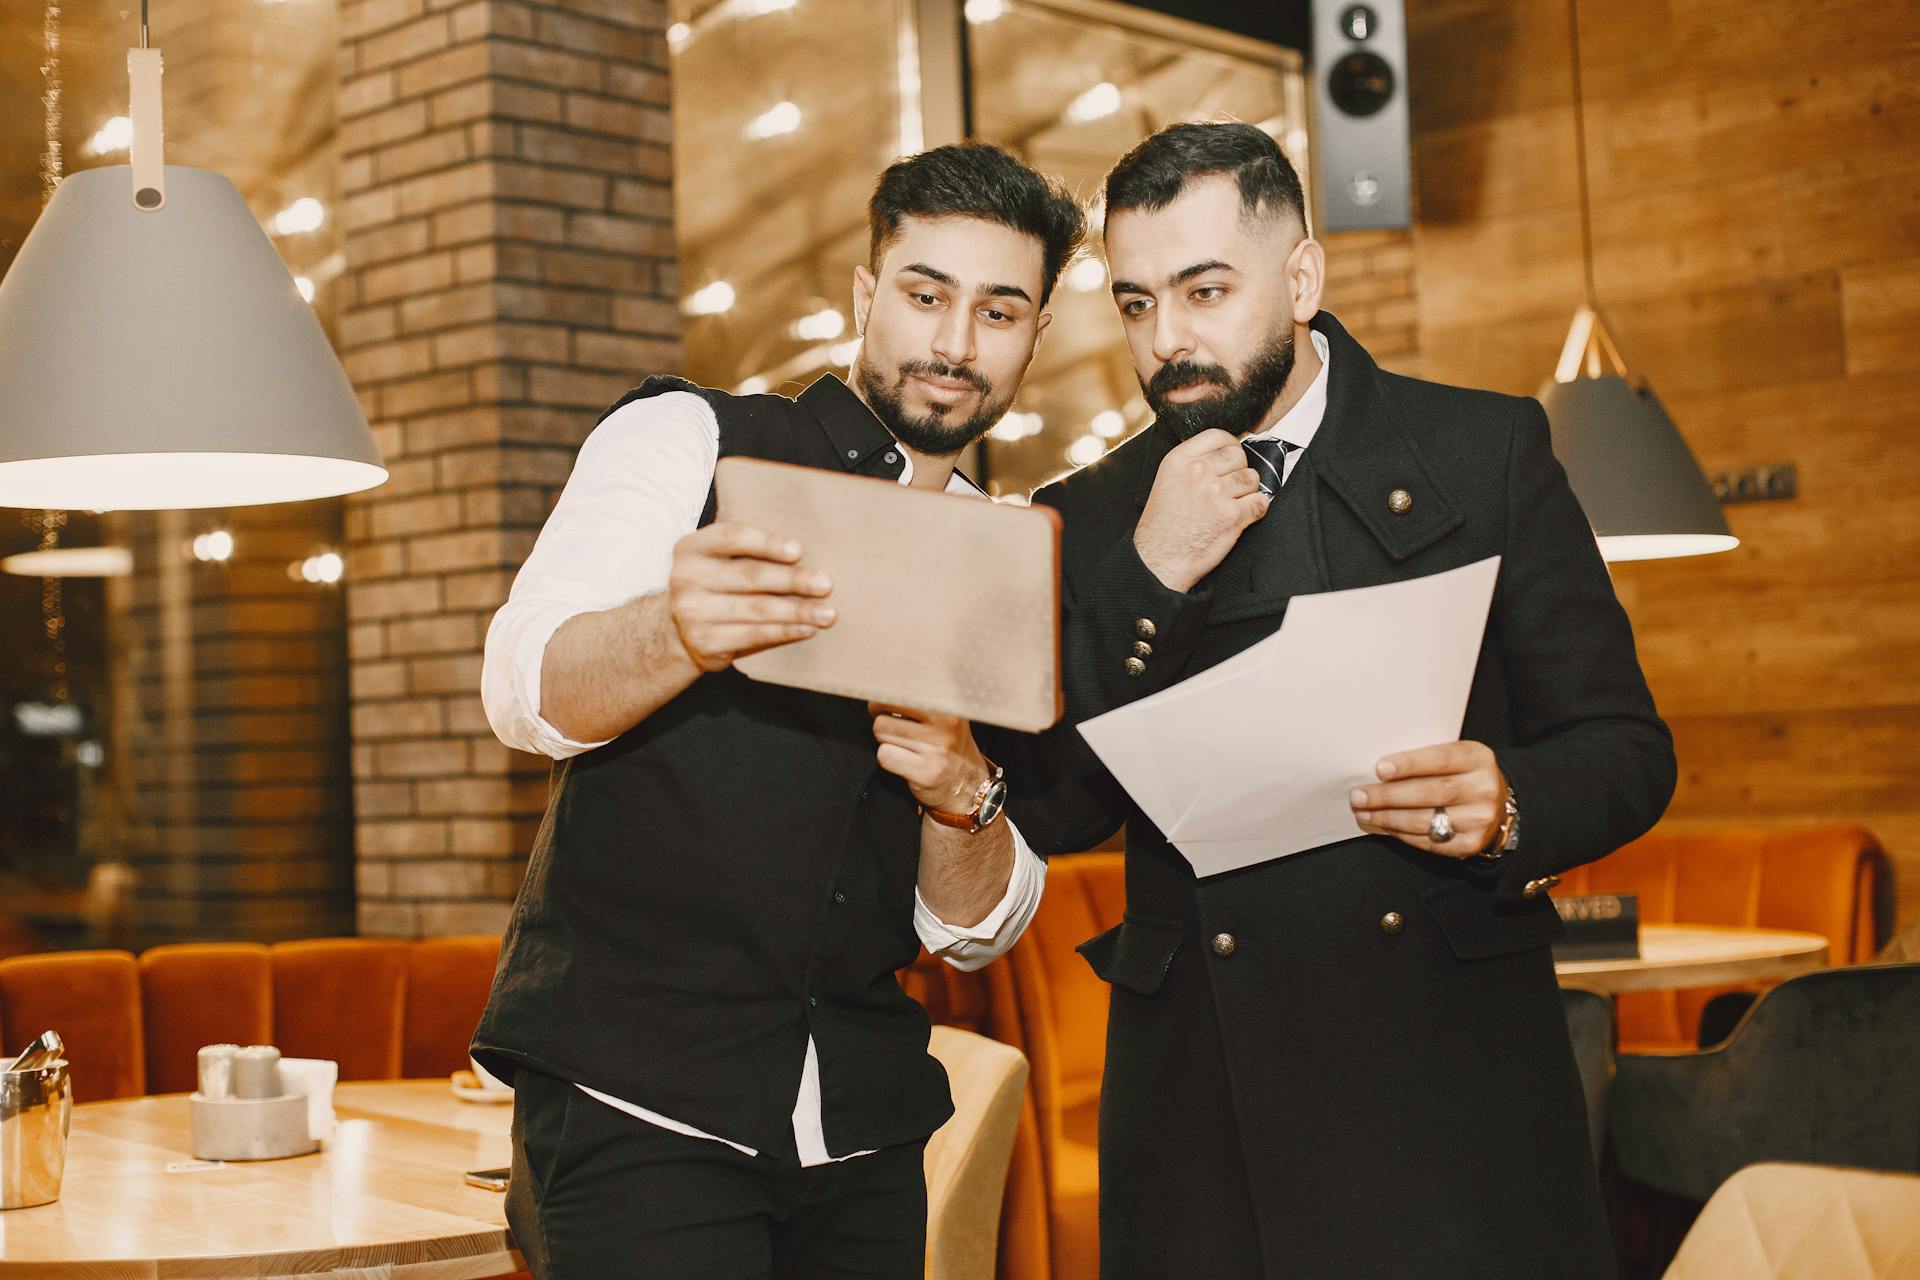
(1269, 458)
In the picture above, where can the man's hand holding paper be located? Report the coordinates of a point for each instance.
(1259, 757)
(1459, 779)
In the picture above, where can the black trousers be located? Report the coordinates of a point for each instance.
(597, 1194)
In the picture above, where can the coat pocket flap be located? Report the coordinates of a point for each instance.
(1134, 954)
(1478, 926)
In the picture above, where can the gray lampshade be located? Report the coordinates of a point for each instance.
(165, 359)
(1643, 492)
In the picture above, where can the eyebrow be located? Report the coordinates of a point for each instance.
(984, 291)
(1178, 277)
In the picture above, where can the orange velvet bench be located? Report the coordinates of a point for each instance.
(379, 1007)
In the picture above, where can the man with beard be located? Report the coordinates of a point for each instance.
(1351, 1062)
(715, 1072)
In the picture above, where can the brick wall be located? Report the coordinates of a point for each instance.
(1370, 288)
(228, 772)
(505, 178)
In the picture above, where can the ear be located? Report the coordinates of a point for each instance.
(863, 285)
(1306, 279)
(1040, 329)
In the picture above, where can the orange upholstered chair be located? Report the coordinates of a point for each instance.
(200, 993)
(1832, 881)
(342, 998)
(92, 998)
(1063, 1019)
(983, 1001)
(447, 984)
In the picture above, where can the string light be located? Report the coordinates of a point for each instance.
(1017, 426)
(1085, 450)
(115, 135)
(710, 300)
(326, 567)
(52, 162)
(1096, 103)
(822, 326)
(1086, 275)
(216, 546)
(780, 118)
(53, 614)
(304, 214)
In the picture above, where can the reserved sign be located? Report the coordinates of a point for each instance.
(1600, 926)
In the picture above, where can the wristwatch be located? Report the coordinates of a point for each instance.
(1507, 837)
(988, 802)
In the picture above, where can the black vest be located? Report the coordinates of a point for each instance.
(729, 875)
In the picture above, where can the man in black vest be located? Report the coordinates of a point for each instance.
(1351, 1062)
(715, 1072)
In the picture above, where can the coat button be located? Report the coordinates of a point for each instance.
(1141, 649)
(813, 1002)
(1135, 667)
(839, 898)
(1146, 628)
(1399, 502)
(1392, 922)
(1224, 944)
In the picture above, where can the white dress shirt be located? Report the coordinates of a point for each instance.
(1298, 424)
(638, 486)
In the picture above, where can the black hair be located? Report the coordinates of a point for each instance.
(1154, 173)
(975, 180)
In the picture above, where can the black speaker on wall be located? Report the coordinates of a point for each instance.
(1360, 148)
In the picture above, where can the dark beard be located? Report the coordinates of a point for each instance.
(931, 434)
(1237, 410)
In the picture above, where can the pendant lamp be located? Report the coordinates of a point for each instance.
(1642, 490)
(155, 352)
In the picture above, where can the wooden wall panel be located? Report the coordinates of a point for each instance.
(1755, 167)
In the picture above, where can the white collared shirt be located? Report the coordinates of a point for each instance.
(638, 486)
(1298, 424)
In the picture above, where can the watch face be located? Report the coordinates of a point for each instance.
(991, 803)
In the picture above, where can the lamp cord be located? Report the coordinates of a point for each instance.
(1580, 155)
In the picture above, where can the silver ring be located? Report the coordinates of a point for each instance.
(1440, 827)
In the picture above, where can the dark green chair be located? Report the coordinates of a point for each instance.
(1824, 1069)
(1590, 1024)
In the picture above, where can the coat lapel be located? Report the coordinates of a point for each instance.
(1364, 454)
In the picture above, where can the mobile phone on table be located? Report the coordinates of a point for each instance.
(491, 1179)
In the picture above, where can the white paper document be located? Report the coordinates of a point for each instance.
(1253, 759)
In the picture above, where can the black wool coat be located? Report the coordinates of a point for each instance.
(1352, 1062)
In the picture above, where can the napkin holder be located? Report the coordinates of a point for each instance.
(267, 1123)
(250, 1128)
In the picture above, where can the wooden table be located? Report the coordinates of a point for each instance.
(384, 1198)
(1676, 956)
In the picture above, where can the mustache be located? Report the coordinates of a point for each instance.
(941, 369)
(1176, 374)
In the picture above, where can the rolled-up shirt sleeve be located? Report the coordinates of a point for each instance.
(638, 487)
(970, 947)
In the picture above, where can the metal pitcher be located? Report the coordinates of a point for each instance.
(36, 1110)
